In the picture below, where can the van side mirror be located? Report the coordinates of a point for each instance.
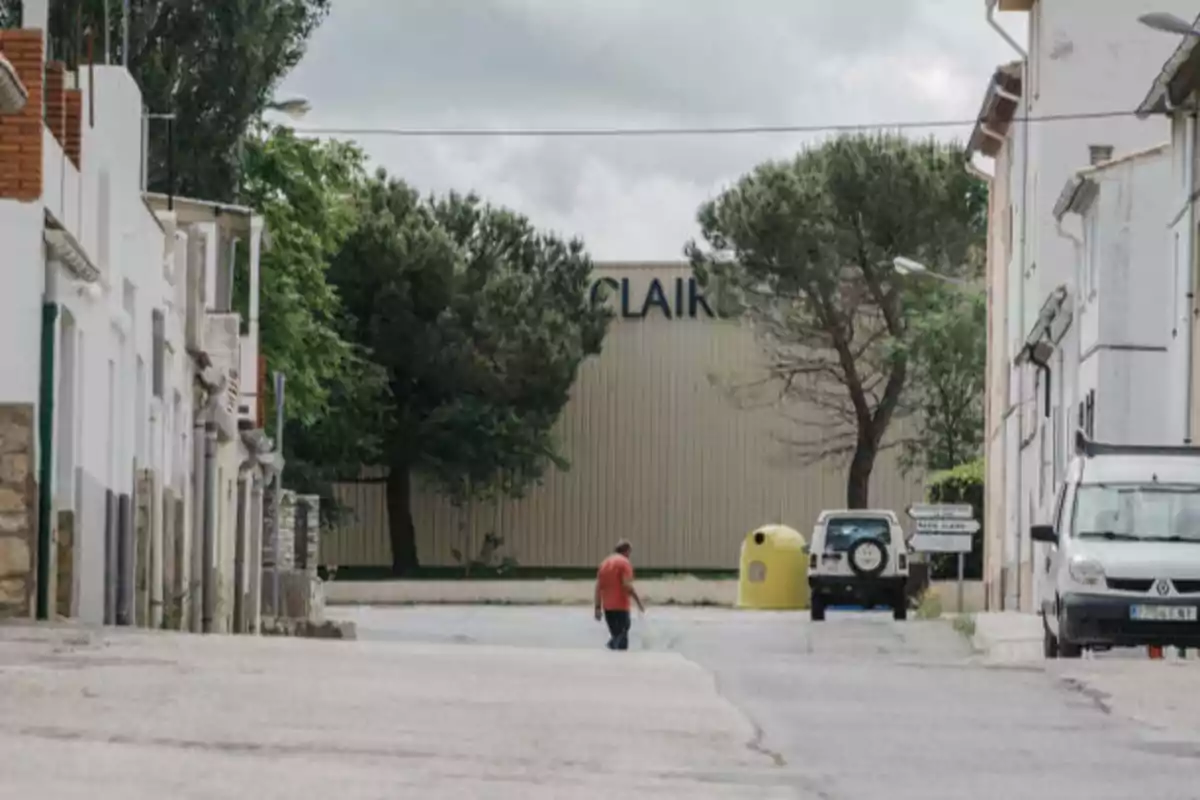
(1044, 533)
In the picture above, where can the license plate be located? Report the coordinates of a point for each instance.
(1163, 613)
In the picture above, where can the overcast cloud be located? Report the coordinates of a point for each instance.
(625, 63)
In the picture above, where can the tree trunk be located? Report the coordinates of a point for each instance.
(401, 531)
(858, 481)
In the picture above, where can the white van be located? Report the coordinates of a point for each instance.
(1123, 567)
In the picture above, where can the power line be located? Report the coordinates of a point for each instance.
(741, 130)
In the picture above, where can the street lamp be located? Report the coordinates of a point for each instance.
(13, 94)
(907, 266)
(1168, 23)
(294, 107)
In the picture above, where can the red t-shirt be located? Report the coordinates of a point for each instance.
(611, 577)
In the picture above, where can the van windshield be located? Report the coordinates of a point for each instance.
(842, 532)
(1137, 511)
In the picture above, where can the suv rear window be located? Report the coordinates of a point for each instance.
(842, 532)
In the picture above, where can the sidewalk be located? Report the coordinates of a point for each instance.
(1008, 636)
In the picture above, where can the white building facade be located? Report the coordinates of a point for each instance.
(108, 357)
(1085, 64)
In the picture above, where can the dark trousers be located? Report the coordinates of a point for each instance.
(618, 629)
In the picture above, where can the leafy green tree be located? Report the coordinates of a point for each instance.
(214, 65)
(804, 249)
(305, 189)
(481, 323)
(948, 357)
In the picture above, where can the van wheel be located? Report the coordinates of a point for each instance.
(1067, 649)
(1049, 641)
(818, 610)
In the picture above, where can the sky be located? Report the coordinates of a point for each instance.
(522, 64)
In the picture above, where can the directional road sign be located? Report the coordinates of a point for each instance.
(941, 511)
(941, 542)
(947, 525)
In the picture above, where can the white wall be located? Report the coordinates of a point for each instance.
(1085, 56)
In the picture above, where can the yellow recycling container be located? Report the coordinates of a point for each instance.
(774, 569)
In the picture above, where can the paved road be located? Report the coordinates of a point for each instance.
(864, 707)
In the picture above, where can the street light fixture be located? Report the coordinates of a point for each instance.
(907, 266)
(1168, 23)
(294, 107)
(13, 94)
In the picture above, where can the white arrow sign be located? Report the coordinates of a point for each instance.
(947, 525)
(941, 511)
(941, 543)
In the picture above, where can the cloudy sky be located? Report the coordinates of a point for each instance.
(632, 63)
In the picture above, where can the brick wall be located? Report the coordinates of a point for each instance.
(21, 134)
(55, 93)
(73, 143)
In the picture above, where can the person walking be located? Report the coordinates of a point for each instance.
(614, 590)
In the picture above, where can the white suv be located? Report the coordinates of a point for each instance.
(1123, 567)
(858, 558)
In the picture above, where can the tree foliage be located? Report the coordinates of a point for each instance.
(481, 323)
(805, 248)
(305, 189)
(948, 350)
(214, 65)
(964, 483)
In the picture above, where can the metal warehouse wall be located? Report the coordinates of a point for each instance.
(659, 453)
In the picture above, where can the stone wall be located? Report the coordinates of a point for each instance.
(64, 561)
(18, 510)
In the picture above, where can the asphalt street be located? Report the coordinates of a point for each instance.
(861, 706)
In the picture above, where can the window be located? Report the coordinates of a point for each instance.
(158, 335)
(1089, 415)
(1138, 511)
(842, 532)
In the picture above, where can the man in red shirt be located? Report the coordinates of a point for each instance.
(614, 589)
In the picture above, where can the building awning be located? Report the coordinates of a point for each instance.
(230, 218)
(1179, 77)
(1052, 323)
(1081, 189)
(1000, 103)
(67, 250)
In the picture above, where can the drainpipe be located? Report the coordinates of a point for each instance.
(1189, 150)
(1013, 559)
(208, 593)
(199, 474)
(239, 547)
(45, 460)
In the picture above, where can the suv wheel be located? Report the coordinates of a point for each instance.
(900, 608)
(1049, 641)
(1067, 649)
(868, 557)
(818, 609)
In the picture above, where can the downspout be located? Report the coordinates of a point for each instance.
(1190, 282)
(45, 460)
(208, 592)
(1013, 559)
(194, 597)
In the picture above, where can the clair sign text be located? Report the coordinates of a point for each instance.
(680, 298)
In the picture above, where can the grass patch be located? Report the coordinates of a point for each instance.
(965, 624)
(930, 605)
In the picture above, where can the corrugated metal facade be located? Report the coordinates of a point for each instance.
(659, 452)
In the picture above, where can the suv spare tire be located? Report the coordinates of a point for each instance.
(868, 557)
